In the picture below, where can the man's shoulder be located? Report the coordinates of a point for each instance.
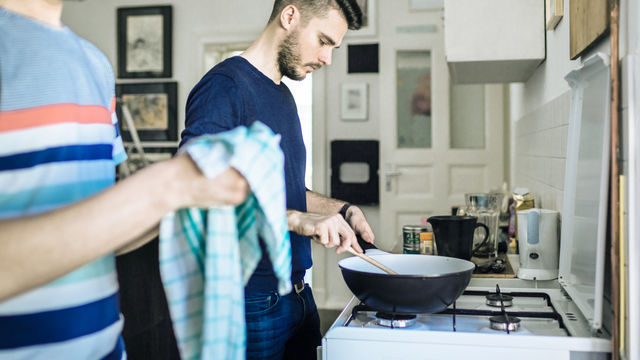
(93, 52)
(233, 69)
(227, 77)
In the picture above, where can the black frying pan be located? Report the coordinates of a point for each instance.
(424, 284)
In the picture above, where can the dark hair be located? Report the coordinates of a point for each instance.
(319, 8)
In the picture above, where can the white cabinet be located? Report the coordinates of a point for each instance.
(493, 41)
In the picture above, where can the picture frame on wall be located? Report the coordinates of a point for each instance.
(369, 19)
(144, 42)
(355, 101)
(153, 109)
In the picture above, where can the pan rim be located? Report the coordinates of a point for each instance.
(470, 264)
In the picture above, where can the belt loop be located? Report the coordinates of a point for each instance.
(299, 286)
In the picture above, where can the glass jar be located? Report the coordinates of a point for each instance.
(478, 205)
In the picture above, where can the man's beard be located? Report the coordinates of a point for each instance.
(289, 58)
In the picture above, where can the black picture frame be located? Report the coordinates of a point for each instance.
(144, 42)
(362, 58)
(355, 151)
(153, 108)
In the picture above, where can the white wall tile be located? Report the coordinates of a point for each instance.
(541, 144)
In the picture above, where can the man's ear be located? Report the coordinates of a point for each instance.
(289, 17)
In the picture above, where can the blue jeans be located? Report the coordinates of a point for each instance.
(282, 327)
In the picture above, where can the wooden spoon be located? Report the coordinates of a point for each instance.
(372, 261)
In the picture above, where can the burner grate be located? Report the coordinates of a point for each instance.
(360, 311)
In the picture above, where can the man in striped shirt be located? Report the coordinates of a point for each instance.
(62, 217)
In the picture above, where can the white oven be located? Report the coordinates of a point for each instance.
(550, 326)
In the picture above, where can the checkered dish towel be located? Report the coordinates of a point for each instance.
(207, 256)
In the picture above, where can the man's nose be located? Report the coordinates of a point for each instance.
(325, 56)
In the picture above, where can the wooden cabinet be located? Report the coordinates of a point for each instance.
(493, 41)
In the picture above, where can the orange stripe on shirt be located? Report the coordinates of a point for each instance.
(53, 114)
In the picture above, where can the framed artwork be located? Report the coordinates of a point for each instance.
(354, 101)
(369, 19)
(153, 110)
(417, 5)
(554, 10)
(144, 42)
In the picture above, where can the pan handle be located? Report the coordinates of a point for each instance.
(365, 245)
(369, 249)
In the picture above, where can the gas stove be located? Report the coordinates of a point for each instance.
(534, 320)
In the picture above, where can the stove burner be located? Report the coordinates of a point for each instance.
(395, 320)
(494, 300)
(499, 322)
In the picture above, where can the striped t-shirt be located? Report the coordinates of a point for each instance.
(58, 144)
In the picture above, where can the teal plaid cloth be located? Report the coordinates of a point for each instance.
(207, 256)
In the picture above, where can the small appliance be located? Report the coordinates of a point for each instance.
(538, 244)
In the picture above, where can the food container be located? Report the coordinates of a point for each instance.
(411, 238)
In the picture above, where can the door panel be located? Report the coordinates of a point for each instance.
(414, 183)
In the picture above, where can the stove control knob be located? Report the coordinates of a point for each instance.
(534, 256)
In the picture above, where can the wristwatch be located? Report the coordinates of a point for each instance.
(343, 210)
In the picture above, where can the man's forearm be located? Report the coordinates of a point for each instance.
(321, 204)
(38, 249)
(353, 215)
(323, 224)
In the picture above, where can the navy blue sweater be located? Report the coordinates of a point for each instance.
(235, 93)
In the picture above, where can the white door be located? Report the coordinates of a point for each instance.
(437, 140)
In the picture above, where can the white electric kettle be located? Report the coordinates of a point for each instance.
(538, 244)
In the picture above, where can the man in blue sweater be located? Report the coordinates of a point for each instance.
(298, 39)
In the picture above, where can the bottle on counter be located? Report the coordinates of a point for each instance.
(426, 243)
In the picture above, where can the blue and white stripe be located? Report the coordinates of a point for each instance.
(59, 144)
